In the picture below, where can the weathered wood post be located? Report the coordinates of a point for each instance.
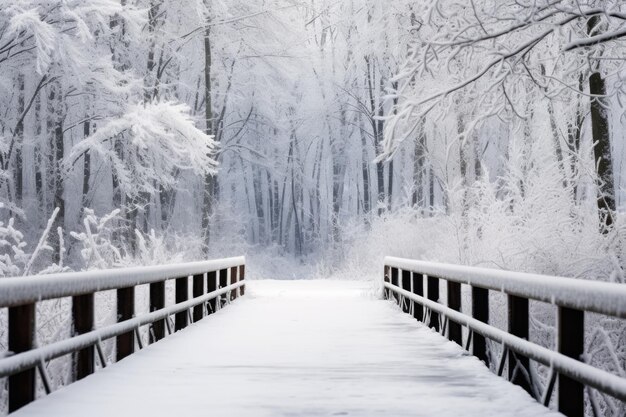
(157, 302)
(242, 277)
(82, 322)
(571, 342)
(433, 295)
(387, 278)
(233, 280)
(181, 319)
(211, 285)
(418, 289)
(480, 311)
(518, 326)
(223, 282)
(454, 302)
(198, 291)
(394, 282)
(125, 344)
(21, 339)
(406, 285)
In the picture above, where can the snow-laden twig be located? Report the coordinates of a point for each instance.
(42, 244)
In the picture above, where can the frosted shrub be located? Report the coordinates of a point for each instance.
(15, 258)
(100, 248)
(153, 249)
(97, 240)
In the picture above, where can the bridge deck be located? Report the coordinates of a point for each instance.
(309, 348)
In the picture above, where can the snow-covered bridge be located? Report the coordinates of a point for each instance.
(310, 348)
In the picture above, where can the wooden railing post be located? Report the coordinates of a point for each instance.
(242, 277)
(125, 344)
(518, 326)
(394, 282)
(182, 294)
(387, 278)
(480, 311)
(571, 342)
(454, 302)
(433, 295)
(198, 291)
(223, 282)
(157, 302)
(233, 280)
(211, 285)
(21, 338)
(406, 285)
(418, 288)
(82, 322)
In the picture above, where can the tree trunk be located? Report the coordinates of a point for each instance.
(86, 168)
(210, 181)
(365, 168)
(58, 180)
(390, 185)
(19, 142)
(418, 169)
(259, 204)
(39, 163)
(602, 141)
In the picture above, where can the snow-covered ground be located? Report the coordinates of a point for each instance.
(291, 348)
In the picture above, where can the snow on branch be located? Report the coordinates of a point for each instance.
(60, 31)
(155, 139)
(493, 47)
(595, 40)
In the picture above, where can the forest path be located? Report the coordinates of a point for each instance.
(296, 348)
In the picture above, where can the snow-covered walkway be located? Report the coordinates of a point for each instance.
(296, 348)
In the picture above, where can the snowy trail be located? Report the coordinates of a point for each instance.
(296, 348)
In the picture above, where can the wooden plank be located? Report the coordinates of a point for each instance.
(433, 295)
(234, 271)
(223, 282)
(387, 278)
(198, 291)
(211, 285)
(182, 294)
(480, 311)
(418, 288)
(21, 339)
(518, 326)
(454, 302)
(406, 284)
(157, 302)
(394, 282)
(83, 322)
(125, 343)
(242, 276)
(571, 342)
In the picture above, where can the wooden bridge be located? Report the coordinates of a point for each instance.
(310, 348)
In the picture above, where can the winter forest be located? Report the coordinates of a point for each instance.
(316, 137)
(489, 133)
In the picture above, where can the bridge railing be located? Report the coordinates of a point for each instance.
(213, 284)
(415, 286)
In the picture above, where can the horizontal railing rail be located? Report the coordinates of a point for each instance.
(23, 290)
(214, 283)
(406, 280)
(591, 296)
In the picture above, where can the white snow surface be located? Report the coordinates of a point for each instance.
(297, 348)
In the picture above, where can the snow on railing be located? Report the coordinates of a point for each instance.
(214, 283)
(592, 296)
(24, 290)
(404, 281)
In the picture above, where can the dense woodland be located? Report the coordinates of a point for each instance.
(316, 136)
(132, 124)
